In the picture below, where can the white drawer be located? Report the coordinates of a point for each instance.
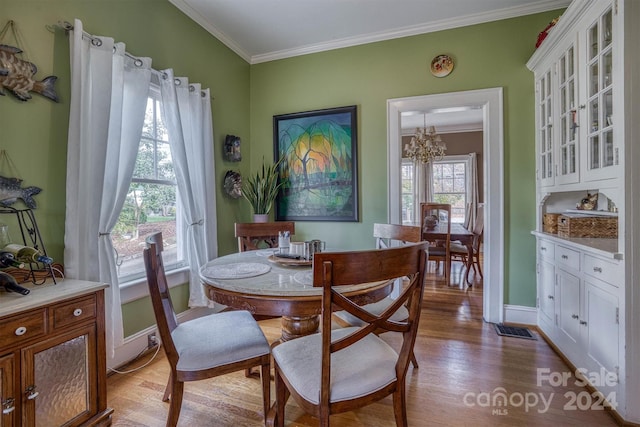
(546, 249)
(607, 271)
(567, 257)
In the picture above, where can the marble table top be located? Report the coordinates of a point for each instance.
(278, 281)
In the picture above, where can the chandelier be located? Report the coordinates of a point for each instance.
(426, 145)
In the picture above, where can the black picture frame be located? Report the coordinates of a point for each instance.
(318, 165)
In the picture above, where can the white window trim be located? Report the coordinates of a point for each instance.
(137, 288)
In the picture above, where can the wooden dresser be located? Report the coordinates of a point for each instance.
(53, 357)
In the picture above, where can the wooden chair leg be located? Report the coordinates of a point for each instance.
(265, 374)
(175, 403)
(167, 390)
(399, 406)
(281, 398)
(477, 263)
(414, 361)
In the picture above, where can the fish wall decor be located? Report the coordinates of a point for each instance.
(11, 190)
(16, 75)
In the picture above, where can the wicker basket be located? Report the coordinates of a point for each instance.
(550, 223)
(582, 225)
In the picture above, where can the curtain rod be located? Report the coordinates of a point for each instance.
(96, 41)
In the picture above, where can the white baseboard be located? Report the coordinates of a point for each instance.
(520, 314)
(136, 343)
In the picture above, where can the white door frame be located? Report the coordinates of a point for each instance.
(490, 100)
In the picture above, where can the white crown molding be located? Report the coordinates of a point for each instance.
(446, 24)
(199, 19)
(506, 13)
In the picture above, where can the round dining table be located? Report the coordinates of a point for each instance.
(265, 285)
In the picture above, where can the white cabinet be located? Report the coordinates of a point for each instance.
(601, 324)
(587, 129)
(579, 310)
(569, 310)
(576, 140)
(558, 137)
(602, 151)
(546, 286)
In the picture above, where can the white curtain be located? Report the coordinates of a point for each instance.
(472, 187)
(108, 98)
(423, 191)
(187, 115)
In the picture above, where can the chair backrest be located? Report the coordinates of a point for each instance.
(386, 233)
(166, 319)
(260, 235)
(442, 212)
(334, 269)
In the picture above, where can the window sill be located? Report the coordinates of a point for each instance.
(136, 289)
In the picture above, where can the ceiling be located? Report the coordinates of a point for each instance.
(267, 30)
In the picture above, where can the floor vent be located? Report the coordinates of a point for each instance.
(514, 331)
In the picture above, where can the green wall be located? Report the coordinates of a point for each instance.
(246, 97)
(487, 55)
(34, 133)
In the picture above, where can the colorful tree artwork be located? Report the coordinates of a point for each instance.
(318, 168)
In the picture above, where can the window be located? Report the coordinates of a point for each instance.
(408, 185)
(152, 202)
(450, 186)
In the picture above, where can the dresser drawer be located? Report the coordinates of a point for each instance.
(22, 327)
(607, 271)
(567, 257)
(546, 249)
(65, 314)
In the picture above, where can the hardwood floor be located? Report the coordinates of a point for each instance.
(463, 365)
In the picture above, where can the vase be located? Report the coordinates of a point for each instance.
(260, 217)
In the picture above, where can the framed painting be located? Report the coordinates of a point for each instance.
(316, 151)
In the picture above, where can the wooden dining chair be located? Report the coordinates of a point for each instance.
(261, 235)
(386, 236)
(204, 347)
(440, 249)
(460, 252)
(344, 369)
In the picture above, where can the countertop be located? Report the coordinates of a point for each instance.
(47, 293)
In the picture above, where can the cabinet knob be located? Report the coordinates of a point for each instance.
(542, 248)
(31, 392)
(77, 312)
(574, 316)
(8, 405)
(583, 322)
(582, 107)
(597, 269)
(21, 330)
(564, 257)
(550, 296)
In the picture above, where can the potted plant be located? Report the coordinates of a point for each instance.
(261, 190)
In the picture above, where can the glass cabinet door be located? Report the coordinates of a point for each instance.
(57, 385)
(569, 135)
(545, 135)
(600, 142)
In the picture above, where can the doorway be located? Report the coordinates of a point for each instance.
(490, 102)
